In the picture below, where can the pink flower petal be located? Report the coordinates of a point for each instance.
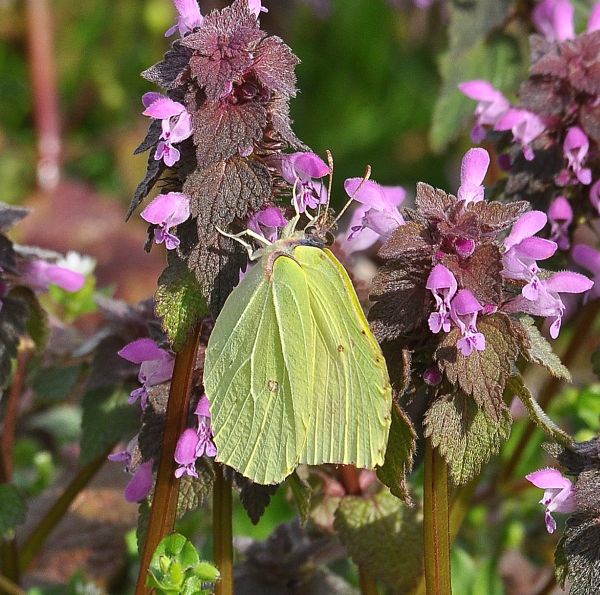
(142, 350)
(441, 278)
(465, 303)
(568, 282)
(526, 226)
(172, 208)
(140, 484)
(163, 108)
(587, 257)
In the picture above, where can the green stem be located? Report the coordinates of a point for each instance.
(368, 584)
(223, 533)
(38, 536)
(436, 524)
(163, 511)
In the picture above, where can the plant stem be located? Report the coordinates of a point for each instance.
(163, 511)
(9, 557)
(368, 584)
(436, 524)
(8, 587)
(223, 532)
(39, 535)
(551, 387)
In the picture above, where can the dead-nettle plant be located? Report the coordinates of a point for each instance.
(454, 303)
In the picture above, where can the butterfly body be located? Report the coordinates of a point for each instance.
(292, 370)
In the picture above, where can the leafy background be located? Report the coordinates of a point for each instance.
(378, 86)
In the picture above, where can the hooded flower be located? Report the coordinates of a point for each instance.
(193, 444)
(464, 310)
(523, 250)
(380, 203)
(491, 105)
(589, 258)
(167, 211)
(560, 216)
(548, 302)
(554, 19)
(559, 494)
(189, 17)
(268, 222)
(473, 169)
(176, 125)
(156, 366)
(525, 126)
(442, 284)
(256, 7)
(304, 171)
(39, 275)
(140, 484)
(576, 148)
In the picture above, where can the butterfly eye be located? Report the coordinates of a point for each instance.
(329, 238)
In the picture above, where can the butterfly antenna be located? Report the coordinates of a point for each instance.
(365, 179)
(330, 183)
(238, 238)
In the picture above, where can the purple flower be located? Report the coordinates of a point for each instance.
(167, 211)
(560, 215)
(594, 20)
(349, 240)
(176, 125)
(432, 376)
(442, 283)
(559, 494)
(595, 196)
(523, 250)
(268, 222)
(464, 311)
(256, 7)
(473, 169)
(156, 366)
(491, 105)
(380, 213)
(589, 258)
(193, 444)
(554, 19)
(548, 302)
(39, 275)
(575, 149)
(525, 126)
(140, 484)
(303, 171)
(189, 17)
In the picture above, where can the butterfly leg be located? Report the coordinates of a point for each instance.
(238, 238)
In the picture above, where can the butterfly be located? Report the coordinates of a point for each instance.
(292, 370)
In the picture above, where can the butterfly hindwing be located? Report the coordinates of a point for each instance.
(351, 417)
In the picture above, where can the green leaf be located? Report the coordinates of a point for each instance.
(13, 508)
(401, 448)
(498, 60)
(466, 436)
(482, 374)
(537, 350)
(179, 302)
(55, 383)
(516, 386)
(302, 493)
(107, 419)
(193, 491)
(373, 528)
(37, 323)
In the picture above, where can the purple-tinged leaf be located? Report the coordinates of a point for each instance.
(170, 72)
(274, 66)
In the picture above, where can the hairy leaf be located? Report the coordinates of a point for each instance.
(497, 60)
(153, 422)
(14, 315)
(302, 493)
(433, 203)
(466, 435)
(155, 170)
(411, 239)
(274, 66)
(107, 419)
(13, 508)
(179, 302)
(222, 130)
(8, 260)
(372, 528)
(538, 350)
(279, 115)
(141, 531)
(254, 497)
(494, 217)
(152, 137)
(194, 491)
(170, 71)
(10, 216)
(482, 374)
(587, 491)
(517, 388)
(402, 302)
(581, 545)
(37, 322)
(401, 449)
(219, 194)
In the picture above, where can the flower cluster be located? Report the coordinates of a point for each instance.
(559, 494)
